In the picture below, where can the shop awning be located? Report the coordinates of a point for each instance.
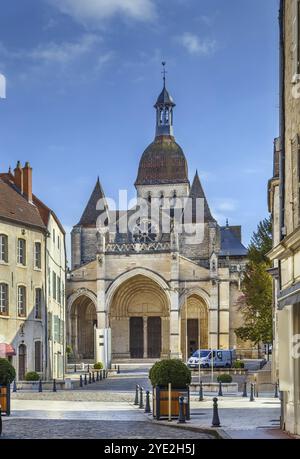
(6, 350)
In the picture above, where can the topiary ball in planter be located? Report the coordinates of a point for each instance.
(172, 371)
(225, 378)
(7, 372)
(239, 364)
(98, 366)
(32, 376)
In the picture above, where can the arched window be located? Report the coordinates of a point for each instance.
(21, 259)
(21, 301)
(22, 361)
(3, 299)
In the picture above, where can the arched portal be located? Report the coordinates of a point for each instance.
(194, 325)
(83, 320)
(139, 319)
(22, 362)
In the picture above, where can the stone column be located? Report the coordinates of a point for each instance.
(165, 338)
(213, 317)
(145, 337)
(175, 351)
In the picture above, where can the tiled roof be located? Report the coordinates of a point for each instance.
(91, 214)
(230, 244)
(15, 207)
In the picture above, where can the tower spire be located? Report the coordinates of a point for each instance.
(164, 110)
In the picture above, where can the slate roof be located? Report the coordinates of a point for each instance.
(90, 214)
(230, 244)
(197, 192)
(164, 99)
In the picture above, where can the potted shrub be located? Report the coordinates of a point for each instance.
(98, 366)
(163, 373)
(224, 378)
(7, 375)
(239, 364)
(32, 376)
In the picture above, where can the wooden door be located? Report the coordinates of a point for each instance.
(154, 337)
(193, 336)
(136, 337)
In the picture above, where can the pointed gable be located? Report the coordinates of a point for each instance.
(197, 192)
(91, 214)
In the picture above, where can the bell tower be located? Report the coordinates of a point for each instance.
(164, 111)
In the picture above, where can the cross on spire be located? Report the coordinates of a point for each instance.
(164, 72)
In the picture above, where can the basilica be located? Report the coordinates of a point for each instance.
(161, 279)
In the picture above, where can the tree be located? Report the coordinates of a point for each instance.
(256, 301)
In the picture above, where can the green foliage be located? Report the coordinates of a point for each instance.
(224, 378)
(239, 364)
(256, 302)
(32, 376)
(69, 349)
(7, 372)
(172, 371)
(98, 366)
(261, 242)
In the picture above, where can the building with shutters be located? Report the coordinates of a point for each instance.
(32, 279)
(143, 289)
(284, 203)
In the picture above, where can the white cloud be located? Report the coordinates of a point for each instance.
(92, 12)
(65, 52)
(2, 86)
(195, 45)
(226, 205)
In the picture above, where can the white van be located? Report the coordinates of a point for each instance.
(221, 358)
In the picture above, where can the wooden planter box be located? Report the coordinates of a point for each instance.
(5, 399)
(161, 402)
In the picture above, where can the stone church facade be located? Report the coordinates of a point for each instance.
(142, 284)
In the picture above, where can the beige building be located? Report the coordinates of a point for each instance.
(141, 285)
(28, 257)
(284, 198)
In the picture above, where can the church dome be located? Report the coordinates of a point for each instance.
(163, 162)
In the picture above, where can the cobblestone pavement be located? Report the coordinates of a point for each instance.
(52, 429)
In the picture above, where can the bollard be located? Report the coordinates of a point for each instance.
(101, 376)
(75, 369)
(54, 385)
(93, 377)
(106, 375)
(181, 417)
(97, 376)
(141, 405)
(216, 419)
(118, 370)
(276, 390)
(251, 393)
(15, 386)
(220, 394)
(201, 398)
(147, 407)
(88, 369)
(256, 390)
(40, 386)
(85, 379)
(136, 400)
(80, 381)
(90, 378)
(245, 390)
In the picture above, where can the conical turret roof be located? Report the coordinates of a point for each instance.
(197, 192)
(91, 214)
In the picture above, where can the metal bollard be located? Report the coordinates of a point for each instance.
(276, 390)
(201, 398)
(147, 407)
(256, 389)
(90, 378)
(141, 405)
(245, 390)
(251, 393)
(136, 400)
(15, 386)
(88, 368)
(85, 379)
(181, 417)
(54, 386)
(93, 377)
(75, 368)
(40, 386)
(216, 419)
(101, 375)
(80, 381)
(118, 372)
(97, 376)
(220, 393)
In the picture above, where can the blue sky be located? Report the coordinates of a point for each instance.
(83, 75)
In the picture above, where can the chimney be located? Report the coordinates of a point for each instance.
(18, 179)
(27, 180)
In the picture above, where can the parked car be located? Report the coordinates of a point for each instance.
(221, 358)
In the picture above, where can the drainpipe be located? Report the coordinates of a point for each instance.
(46, 309)
(282, 116)
(218, 338)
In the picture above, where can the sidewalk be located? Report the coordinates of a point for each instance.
(239, 418)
